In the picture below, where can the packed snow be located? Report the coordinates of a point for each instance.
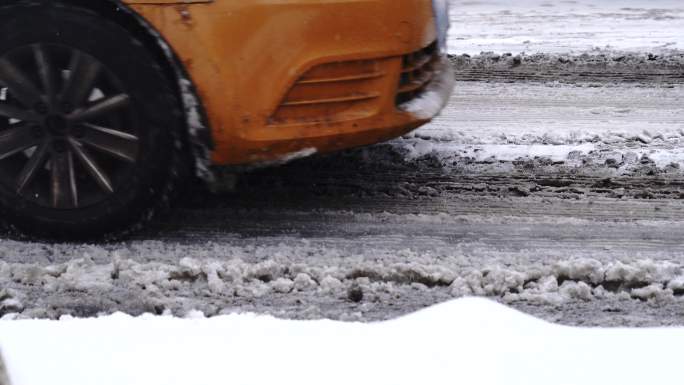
(470, 341)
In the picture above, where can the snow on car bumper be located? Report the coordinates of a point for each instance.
(436, 95)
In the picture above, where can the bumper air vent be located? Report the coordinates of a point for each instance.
(333, 92)
(418, 69)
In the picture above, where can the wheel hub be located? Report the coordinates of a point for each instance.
(56, 125)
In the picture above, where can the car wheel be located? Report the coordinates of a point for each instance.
(89, 125)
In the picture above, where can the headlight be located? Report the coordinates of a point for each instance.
(441, 9)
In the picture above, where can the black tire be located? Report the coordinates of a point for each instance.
(141, 156)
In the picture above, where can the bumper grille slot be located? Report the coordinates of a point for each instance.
(342, 78)
(416, 73)
(333, 91)
(350, 98)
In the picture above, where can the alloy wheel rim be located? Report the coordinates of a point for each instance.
(67, 135)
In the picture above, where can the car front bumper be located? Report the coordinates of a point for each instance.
(380, 119)
(279, 78)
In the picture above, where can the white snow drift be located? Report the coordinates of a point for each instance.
(469, 341)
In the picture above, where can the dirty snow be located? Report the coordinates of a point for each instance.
(459, 341)
(571, 124)
(316, 277)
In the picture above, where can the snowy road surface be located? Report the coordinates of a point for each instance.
(469, 341)
(554, 26)
(562, 200)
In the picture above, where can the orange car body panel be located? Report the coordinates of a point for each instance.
(245, 58)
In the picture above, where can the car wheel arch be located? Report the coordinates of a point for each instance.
(197, 136)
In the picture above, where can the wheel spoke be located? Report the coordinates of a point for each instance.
(19, 85)
(100, 108)
(47, 73)
(63, 183)
(18, 113)
(15, 140)
(67, 136)
(35, 162)
(82, 74)
(117, 143)
(93, 169)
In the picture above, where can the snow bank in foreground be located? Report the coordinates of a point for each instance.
(469, 341)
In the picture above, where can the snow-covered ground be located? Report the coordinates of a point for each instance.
(469, 341)
(563, 123)
(553, 26)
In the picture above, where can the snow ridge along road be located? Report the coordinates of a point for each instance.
(552, 183)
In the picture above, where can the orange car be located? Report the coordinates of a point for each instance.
(106, 106)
